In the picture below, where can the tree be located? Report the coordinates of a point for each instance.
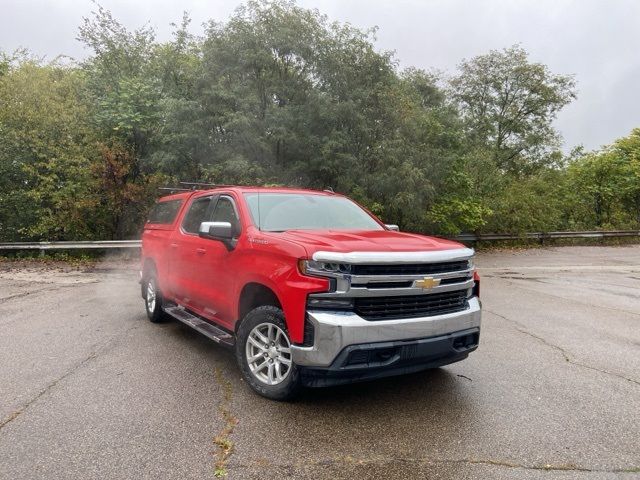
(287, 97)
(606, 185)
(125, 92)
(46, 150)
(278, 94)
(508, 104)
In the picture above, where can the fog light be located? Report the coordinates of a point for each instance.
(328, 302)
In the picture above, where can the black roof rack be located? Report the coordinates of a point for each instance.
(192, 186)
(174, 189)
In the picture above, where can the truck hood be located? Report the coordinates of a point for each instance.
(365, 241)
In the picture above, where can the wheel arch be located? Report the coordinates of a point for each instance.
(254, 295)
(148, 265)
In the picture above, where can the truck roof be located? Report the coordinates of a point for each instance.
(240, 189)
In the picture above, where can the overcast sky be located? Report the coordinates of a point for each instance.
(596, 40)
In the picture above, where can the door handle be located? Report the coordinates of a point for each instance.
(173, 245)
(200, 251)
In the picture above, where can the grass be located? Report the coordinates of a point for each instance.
(75, 259)
(224, 444)
(71, 258)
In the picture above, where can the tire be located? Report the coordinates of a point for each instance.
(153, 298)
(272, 374)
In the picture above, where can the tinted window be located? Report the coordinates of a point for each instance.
(225, 212)
(296, 211)
(196, 215)
(164, 212)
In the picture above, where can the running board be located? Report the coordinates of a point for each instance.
(208, 330)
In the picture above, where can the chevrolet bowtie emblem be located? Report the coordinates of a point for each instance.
(426, 283)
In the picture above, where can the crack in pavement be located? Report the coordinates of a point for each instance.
(379, 460)
(33, 292)
(565, 354)
(565, 268)
(96, 351)
(511, 284)
(46, 389)
(587, 283)
(224, 444)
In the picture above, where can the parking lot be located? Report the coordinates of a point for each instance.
(90, 389)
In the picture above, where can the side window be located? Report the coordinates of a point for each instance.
(196, 215)
(225, 212)
(164, 212)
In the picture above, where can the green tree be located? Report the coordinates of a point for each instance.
(508, 104)
(46, 150)
(278, 94)
(288, 97)
(605, 185)
(125, 91)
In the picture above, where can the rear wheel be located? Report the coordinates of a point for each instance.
(263, 352)
(153, 298)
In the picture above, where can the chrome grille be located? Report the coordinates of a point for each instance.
(410, 306)
(397, 285)
(410, 269)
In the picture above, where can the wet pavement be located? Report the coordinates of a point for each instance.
(90, 389)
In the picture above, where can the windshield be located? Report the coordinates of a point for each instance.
(275, 212)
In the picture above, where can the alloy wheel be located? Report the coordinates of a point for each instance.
(151, 296)
(268, 353)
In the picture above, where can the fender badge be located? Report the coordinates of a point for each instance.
(261, 241)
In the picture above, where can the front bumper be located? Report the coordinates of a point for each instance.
(376, 360)
(335, 331)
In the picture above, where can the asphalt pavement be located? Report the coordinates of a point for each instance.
(89, 389)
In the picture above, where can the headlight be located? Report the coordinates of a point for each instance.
(311, 267)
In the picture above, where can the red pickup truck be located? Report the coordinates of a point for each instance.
(308, 287)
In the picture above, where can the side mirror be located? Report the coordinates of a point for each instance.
(392, 227)
(222, 231)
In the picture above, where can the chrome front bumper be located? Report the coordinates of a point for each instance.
(336, 330)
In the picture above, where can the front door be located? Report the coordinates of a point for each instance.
(188, 252)
(218, 275)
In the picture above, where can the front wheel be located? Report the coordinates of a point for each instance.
(263, 352)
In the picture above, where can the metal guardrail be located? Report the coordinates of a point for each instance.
(82, 245)
(542, 236)
(465, 237)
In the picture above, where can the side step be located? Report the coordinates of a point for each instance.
(214, 333)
